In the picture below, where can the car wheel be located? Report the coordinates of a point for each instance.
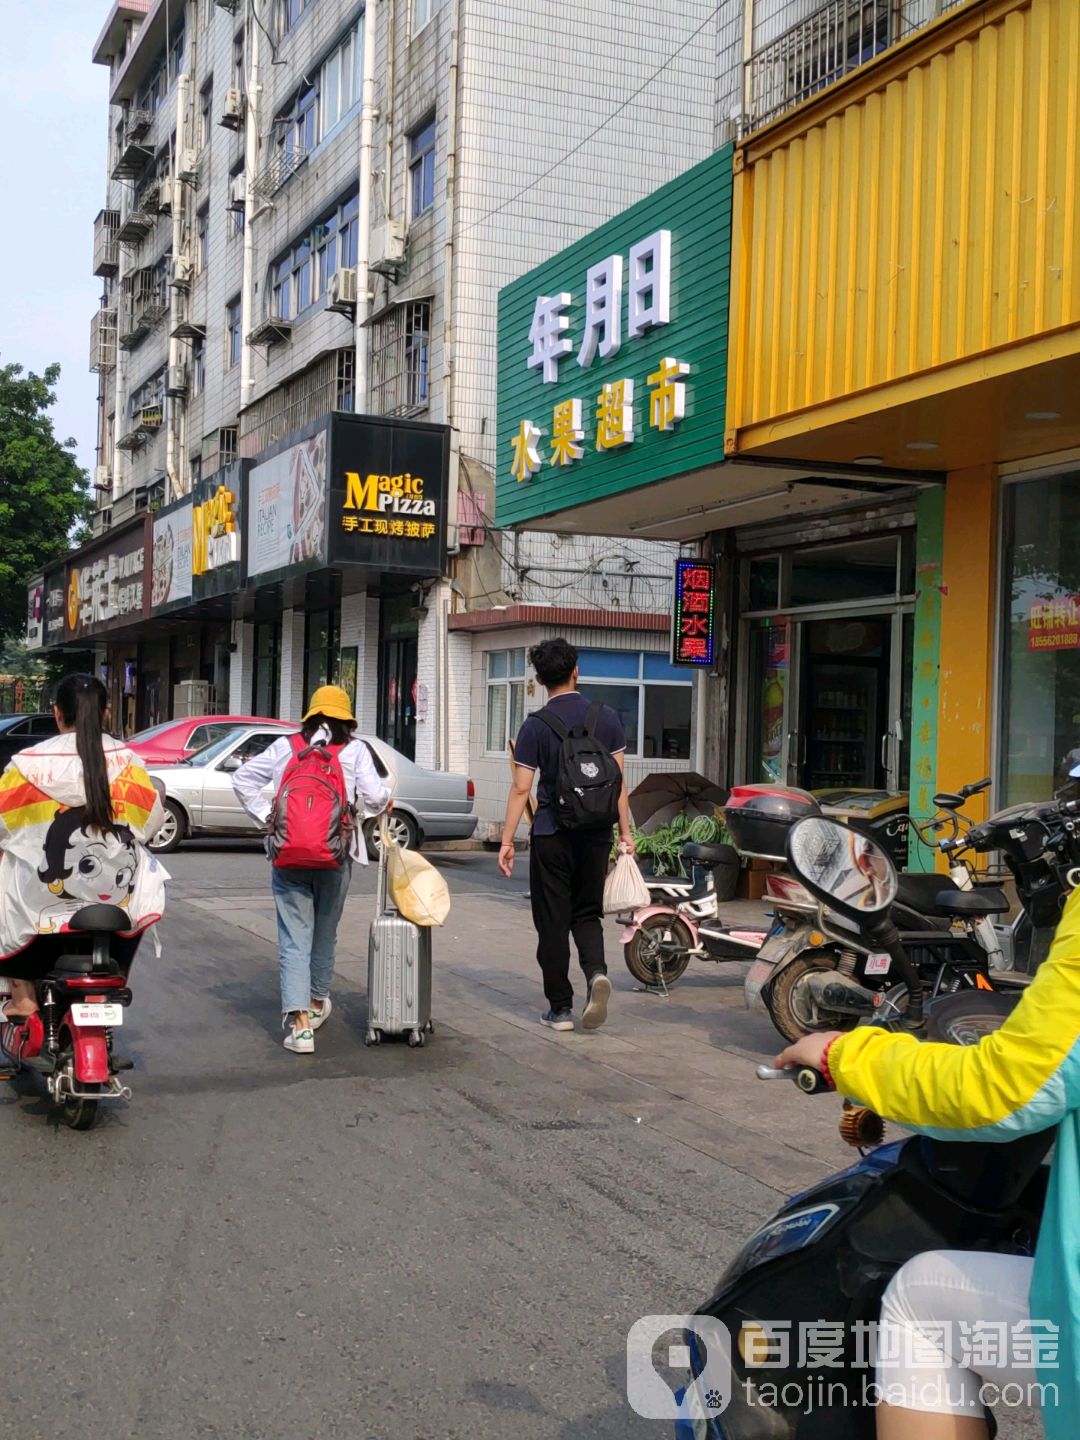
(173, 829)
(402, 829)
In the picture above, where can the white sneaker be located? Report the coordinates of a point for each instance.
(320, 1016)
(595, 1012)
(300, 1042)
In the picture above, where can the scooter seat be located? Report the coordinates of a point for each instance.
(973, 902)
(101, 919)
(710, 855)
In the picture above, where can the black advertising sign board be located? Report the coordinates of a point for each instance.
(389, 484)
(109, 585)
(693, 634)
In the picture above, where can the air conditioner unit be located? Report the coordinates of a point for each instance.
(237, 193)
(160, 197)
(387, 247)
(102, 478)
(182, 270)
(341, 292)
(176, 381)
(232, 113)
(191, 698)
(187, 164)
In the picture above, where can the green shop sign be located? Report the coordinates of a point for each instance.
(613, 354)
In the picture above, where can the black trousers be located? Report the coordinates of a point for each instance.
(567, 871)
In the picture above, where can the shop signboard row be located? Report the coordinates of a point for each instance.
(349, 491)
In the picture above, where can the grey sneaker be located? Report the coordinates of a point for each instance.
(595, 1012)
(557, 1020)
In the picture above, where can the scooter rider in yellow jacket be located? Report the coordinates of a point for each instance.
(1021, 1078)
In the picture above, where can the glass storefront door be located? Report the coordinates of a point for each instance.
(828, 684)
(1040, 684)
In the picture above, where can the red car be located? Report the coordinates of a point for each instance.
(174, 740)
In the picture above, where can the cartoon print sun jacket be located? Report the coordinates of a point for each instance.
(50, 866)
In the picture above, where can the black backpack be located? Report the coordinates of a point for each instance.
(588, 782)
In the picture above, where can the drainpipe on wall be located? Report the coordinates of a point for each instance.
(388, 134)
(747, 55)
(451, 218)
(363, 219)
(251, 160)
(173, 483)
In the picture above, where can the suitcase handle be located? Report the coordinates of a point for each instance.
(381, 904)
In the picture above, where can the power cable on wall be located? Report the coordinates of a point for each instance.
(596, 130)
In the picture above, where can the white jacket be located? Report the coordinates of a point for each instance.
(363, 784)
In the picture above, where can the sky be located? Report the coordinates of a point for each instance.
(52, 184)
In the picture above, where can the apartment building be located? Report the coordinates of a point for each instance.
(298, 289)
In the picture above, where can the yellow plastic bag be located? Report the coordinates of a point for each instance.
(417, 889)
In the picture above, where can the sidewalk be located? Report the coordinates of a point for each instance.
(683, 1065)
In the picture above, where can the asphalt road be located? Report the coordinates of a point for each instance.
(366, 1244)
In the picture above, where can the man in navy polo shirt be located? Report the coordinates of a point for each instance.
(567, 868)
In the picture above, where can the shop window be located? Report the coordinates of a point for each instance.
(763, 584)
(320, 649)
(857, 570)
(652, 698)
(505, 697)
(266, 672)
(1040, 690)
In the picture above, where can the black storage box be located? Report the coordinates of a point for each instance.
(758, 818)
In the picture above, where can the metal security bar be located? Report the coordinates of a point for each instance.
(401, 360)
(802, 46)
(325, 386)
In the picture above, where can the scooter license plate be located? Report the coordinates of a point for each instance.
(97, 1014)
(878, 964)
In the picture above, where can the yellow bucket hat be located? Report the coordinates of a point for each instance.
(331, 701)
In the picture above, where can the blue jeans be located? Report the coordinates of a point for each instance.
(309, 905)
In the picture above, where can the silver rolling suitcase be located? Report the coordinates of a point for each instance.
(399, 972)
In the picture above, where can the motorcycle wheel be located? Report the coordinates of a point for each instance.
(642, 951)
(78, 1113)
(790, 1010)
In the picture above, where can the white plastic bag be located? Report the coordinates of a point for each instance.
(624, 888)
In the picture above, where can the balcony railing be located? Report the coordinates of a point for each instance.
(106, 258)
(800, 47)
(274, 174)
(103, 341)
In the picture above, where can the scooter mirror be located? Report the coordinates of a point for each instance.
(845, 869)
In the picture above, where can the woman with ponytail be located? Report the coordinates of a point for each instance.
(74, 811)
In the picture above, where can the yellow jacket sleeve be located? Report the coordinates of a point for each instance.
(1023, 1077)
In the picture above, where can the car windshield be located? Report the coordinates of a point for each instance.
(152, 732)
(209, 753)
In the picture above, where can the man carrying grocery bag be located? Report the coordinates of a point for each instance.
(577, 748)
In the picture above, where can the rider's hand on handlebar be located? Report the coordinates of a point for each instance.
(808, 1051)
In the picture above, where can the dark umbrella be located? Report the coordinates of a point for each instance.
(661, 796)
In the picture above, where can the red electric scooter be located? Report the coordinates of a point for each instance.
(69, 1041)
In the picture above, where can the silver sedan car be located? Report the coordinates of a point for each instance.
(199, 798)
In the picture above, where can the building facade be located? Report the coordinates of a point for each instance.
(307, 214)
(890, 505)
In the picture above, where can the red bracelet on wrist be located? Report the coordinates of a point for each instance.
(825, 1071)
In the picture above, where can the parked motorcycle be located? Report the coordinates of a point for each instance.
(813, 975)
(69, 1041)
(682, 921)
(825, 1258)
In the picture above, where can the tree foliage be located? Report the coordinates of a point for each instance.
(43, 489)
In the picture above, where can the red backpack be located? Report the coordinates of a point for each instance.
(311, 822)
